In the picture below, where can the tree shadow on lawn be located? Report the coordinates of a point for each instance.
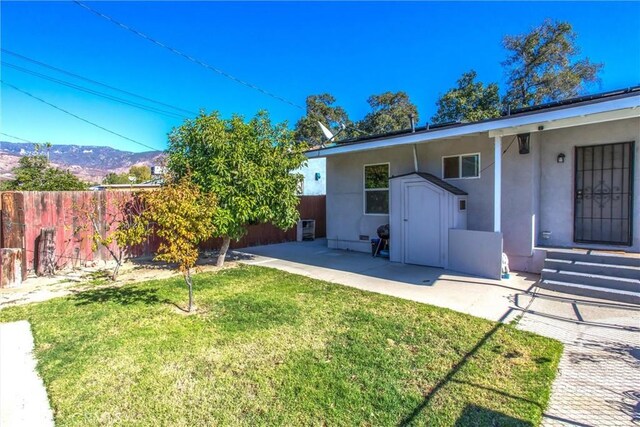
(472, 413)
(119, 295)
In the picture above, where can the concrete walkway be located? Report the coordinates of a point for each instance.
(598, 383)
(23, 398)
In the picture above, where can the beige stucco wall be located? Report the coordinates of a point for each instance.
(557, 180)
(537, 192)
(346, 220)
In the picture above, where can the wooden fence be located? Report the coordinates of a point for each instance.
(24, 214)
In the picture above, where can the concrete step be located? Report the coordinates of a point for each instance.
(591, 291)
(593, 268)
(627, 259)
(609, 282)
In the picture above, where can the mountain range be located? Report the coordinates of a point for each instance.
(87, 162)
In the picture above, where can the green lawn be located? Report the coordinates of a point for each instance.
(272, 348)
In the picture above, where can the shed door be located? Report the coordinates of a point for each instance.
(604, 194)
(422, 225)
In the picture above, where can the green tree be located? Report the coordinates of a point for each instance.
(469, 101)
(34, 173)
(541, 66)
(182, 217)
(389, 112)
(320, 108)
(140, 173)
(114, 178)
(247, 165)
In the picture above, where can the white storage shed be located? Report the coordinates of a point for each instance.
(422, 209)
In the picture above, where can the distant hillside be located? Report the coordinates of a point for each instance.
(89, 163)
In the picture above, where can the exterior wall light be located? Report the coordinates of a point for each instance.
(560, 158)
(317, 176)
(523, 143)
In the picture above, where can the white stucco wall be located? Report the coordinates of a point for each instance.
(311, 185)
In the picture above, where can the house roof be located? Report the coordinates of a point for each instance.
(436, 181)
(595, 108)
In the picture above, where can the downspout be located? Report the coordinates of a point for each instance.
(415, 149)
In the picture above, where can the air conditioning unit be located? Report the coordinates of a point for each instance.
(306, 230)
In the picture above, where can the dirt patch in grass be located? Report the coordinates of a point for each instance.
(39, 289)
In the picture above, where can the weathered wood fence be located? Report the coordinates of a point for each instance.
(24, 214)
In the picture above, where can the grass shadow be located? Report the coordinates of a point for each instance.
(408, 420)
(473, 415)
(118, 295)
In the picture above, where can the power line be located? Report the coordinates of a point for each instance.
(78, 117)
(188, 57)
(94, 92)
(503, 153)
(69, 73)
(17, 137)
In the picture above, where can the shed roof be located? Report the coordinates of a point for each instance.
(436, 181)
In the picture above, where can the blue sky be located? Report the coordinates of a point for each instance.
(292, 49)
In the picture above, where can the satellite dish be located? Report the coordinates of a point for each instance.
(327, 133)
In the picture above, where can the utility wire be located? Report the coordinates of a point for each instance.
(94, 92)
(17, 137)
(69, 73)
(78, 117)
(186, 56)
(503, 153)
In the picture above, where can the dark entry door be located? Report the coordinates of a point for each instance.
(604, 194)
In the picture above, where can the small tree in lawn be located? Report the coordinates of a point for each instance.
(247, 165)
(182, 217)
(115, 223)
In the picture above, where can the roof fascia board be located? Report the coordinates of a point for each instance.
(608, 116)
(631, 102)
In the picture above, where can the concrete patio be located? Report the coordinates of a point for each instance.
(598, 382)
(486, 298)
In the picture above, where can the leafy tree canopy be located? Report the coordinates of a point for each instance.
(247, 165)
(34, 173)
(389, 112)
(140, 173)
(182, 216)
(541, 66)
(469, 101)
(320, 108)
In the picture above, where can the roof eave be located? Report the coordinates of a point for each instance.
(627, 106)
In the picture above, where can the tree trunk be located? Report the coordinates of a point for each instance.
(187, 278)
(116, 270)
(223, 251)
(114, 275)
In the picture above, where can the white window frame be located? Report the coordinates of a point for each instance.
(365, 189)
(460, 156)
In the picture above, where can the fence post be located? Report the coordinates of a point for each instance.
(13, 225)
(46, 260)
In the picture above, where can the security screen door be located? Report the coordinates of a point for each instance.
(603, 208)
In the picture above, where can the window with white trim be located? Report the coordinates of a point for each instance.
(376, 189)
(462, 166)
